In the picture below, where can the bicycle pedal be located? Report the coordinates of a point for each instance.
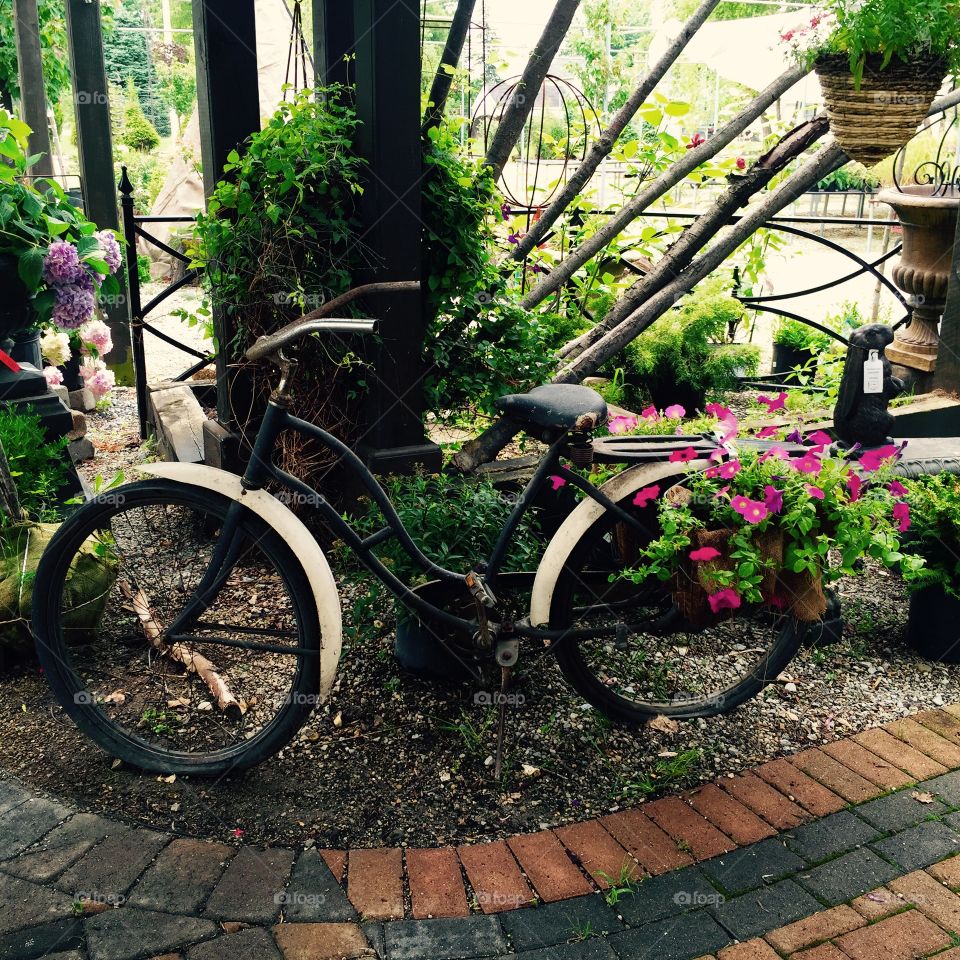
(481, 592)
(508, 651)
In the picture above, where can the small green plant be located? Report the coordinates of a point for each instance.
(474, 735)
(159, 722)
(854, 176)
(38, 466)
(582, 931)
(935, 532)
(138, 132)
(624, 884)
(666, 771)
(801, 336)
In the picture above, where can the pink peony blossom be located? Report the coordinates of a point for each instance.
(53, 376)
(726, 599)
(644, 496)
(675, 412)
(620, 424)
(901, 514)
(97, 334)
(753, 511)
(704, 555)
(683, 456)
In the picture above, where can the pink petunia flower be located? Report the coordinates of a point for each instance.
(704, 555)
(683, 456)
(558, 482)
(872, 460)
(644, 496)
(772, 499)
(650, 413)
(620, 424)
(808, 463)
(815, 492)
(711, 473)
(777, 403)
(820, 437)
(726, 599)
(897, 488)
(675, 411)
(901, 514)
(778, 452)
(722, 492)
(719, 411)
(794, 436)
(753, 511)
(854, 485)
(764, 433)
(728, 470)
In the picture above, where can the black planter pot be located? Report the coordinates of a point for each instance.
(15, 310)
(933, 627)
(26, 348)
(663, 393)
(71, 372)
(785, 359)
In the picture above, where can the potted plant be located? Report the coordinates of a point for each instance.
(772, 528)
(54, 264)
(686, 355)
(794, 345)
(933, 627)
(880, 64)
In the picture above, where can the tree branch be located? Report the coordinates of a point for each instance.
(524, 97)
(452, 51)
(608, 139)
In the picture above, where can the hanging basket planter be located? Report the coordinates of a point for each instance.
(876, 120)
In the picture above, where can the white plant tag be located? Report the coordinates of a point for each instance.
(873, 374)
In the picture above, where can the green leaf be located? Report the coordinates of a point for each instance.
(676, 108)
(30, 267)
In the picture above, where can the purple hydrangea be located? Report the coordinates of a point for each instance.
(62, 263)
(111, 249)
(74, 304)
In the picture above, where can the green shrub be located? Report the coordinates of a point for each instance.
(801, 336)
(935, 532)
(138, 132)
(854, 176)
(38, 466)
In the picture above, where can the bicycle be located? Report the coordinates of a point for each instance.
(189, 622)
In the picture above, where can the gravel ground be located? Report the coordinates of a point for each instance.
(393, 760)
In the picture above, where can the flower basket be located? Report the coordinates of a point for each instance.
(799, 594)
(876, 120)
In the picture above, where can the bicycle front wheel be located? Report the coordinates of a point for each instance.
(235, 682)
(633, 657)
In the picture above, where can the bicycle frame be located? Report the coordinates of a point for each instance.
(261, 469)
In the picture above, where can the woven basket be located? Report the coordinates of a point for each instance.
(878, 119)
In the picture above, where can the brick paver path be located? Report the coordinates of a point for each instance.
(849, 852)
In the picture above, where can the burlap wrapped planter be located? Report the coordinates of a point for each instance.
(878, 119)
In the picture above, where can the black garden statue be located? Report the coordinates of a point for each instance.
(861, 414)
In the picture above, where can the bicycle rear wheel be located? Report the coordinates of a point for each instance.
(237, 680)
(640, 659)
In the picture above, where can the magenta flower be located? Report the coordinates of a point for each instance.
(815, 492)
(722, 492)
(772, 499)
(695, 141)
(778, 452)
(644, 496)
(753, 511)
(854, 485)
(704, 555)
(777, 403)
(683, 456)
(727, 599)
(650, 413)
(764, 433)
(719, 411)
(820, 437)
(873, 459)
(538, 268)
(513, 238)
(675, 412)
(505, 211)
(795, 436)
(901, 514)
(897, 488)
(711, 473)
(728, 470)
(731, 428)
(558, 482)
(808, 463)
(620, 424)
(61, 263)
(741, 163)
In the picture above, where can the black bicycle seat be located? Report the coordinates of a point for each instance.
(565, 406)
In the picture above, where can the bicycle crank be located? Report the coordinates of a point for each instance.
(507, 653)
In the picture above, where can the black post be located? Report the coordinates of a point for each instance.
(333, 41)
(388, 105)
(95, 146)
(133, 292)
(946, 375)
(228, 99)
(33, 96)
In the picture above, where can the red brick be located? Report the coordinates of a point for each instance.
(436, 884)
(826, 951)
(645, 841)
(953, 708)
(820, 926)
(763, 800)
(867, 764)
(947, 871)
(942, 723)
(375, 883)
(320, 941)
(800, 788)
(900, 754)
(930, 897)
(926, 741)
(598, 853)
(336, 860)
(685, 825)
(748, 950)
(553, 874)
(495, 877)
(732, 817)
(903, 937)
(877, 904)
(840, 779)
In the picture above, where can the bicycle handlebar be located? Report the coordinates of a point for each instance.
(320, 321)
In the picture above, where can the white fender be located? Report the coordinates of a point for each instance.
(586, 514)
(295, 535)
